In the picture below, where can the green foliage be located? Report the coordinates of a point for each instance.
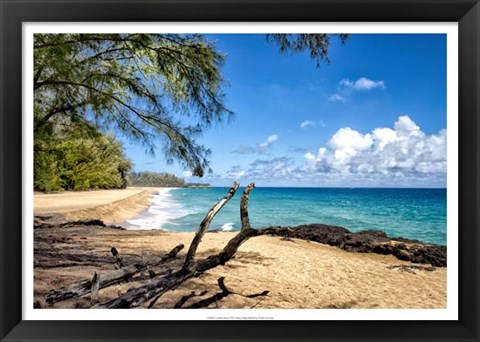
(79, 164)
(151, 87)
(315, 44)
(161, 90)
(155, 179)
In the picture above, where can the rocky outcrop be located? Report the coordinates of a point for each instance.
(58, 221)
(369, 241)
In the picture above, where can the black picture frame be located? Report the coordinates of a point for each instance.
(15, 12)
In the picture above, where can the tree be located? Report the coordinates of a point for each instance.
(80, 163)
(146, 86)
(133, 83)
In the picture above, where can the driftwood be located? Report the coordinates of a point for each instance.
(244, 207)
(94, 288)
(191, 268)
(206, 223)
(119, 262)
(106, 279)
(160, 284)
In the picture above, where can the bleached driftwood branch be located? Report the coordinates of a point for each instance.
(160, 284)
(106, 279)
(206, 223)
(191, 268)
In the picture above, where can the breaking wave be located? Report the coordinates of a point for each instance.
(163, 210)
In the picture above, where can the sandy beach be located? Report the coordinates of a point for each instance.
(111, 206)
(297, 273)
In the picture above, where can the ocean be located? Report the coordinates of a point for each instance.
(411, 213)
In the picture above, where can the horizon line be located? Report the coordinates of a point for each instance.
(328, 187)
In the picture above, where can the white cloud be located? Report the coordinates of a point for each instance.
(259, 148)
(362, 83)
(309, 156)
(346, 83)
(346, 87)
(270, 169)
(239, 174)
(307, 123)
(406, 127)
(404, 154)
(235, 173)
(266, 170)
(270, 140)
(347, 138)
(400, 156)
(337, 98)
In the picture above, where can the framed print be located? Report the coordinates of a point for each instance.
(239, 170)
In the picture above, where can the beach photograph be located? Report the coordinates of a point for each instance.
(239, 171)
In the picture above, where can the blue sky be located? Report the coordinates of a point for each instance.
(374, 117)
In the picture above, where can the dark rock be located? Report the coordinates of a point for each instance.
(376, 233)
(403, 255)
(401, 239)
(368, 241)
(93, 222)
(58, 221)
(113, 226)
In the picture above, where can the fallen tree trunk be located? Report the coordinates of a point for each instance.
(191, 268)
(140, 295)
(106, 279)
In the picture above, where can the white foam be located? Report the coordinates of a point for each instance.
(162, 210)
(227, 226)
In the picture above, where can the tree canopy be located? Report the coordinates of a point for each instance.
(161, 90)
(146, 86)
(76, 163)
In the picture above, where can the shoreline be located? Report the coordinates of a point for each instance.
(296, 272)
(149, 217)
(300, 270)
(138, 208)
(112, 206)
(141, 208)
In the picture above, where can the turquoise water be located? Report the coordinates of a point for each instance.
(410, 213)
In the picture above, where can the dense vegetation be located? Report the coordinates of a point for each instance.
(77, 163)
(155, 179)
